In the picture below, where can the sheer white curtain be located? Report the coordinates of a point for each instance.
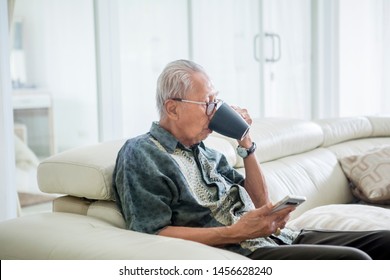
(362, 57)
(386, 60)
(8, 197)
(11, 4)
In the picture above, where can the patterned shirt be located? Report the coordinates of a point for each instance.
(158, 182)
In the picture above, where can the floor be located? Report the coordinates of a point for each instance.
(37, 202)
(26, 182)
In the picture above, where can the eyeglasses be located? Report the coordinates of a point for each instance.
(210, 106)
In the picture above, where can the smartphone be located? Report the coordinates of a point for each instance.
(289, 200)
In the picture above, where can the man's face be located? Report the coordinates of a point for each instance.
(193, 120)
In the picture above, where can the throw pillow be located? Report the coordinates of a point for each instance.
(370, 175)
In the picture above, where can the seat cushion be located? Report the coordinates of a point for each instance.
(352, 217)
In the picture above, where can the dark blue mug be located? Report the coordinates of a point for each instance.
(228, 122)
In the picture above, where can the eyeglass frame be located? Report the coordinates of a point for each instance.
(208, 112)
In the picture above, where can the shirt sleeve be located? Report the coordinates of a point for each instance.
(143, 192)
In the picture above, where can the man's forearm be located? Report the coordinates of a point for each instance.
(253, 224)
(254, 179)
(255, 182)
(215, 236)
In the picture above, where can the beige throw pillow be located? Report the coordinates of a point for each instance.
(370, 175)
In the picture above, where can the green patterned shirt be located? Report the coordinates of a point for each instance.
(158, 183)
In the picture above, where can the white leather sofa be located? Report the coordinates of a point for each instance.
(298, 157)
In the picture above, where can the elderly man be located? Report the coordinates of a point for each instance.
(167, 182)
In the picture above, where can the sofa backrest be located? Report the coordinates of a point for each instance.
(81, 172)
(298, 157)
(277, 138)
(339, 130)
(87, 171)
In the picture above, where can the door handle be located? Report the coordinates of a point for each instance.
(276, 47)
(255, 47)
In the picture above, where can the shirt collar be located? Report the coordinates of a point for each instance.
(166, 139)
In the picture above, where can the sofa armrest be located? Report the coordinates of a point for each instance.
(62, 236)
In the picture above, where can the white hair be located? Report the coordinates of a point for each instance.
(175, 81)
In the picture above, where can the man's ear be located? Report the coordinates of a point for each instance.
(171, 109)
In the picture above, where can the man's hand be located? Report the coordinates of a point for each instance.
(246, 142)
(260, 223)
(256, 223)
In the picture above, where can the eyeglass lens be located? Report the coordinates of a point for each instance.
(211, 107)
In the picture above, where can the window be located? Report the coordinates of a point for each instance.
(54, 77)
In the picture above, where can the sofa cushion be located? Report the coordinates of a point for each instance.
(101, 209)
(352, 217)
(82, 172)
(279, 137)
(337, 130)
(380, 125)
(316, 175)
(370, 175)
